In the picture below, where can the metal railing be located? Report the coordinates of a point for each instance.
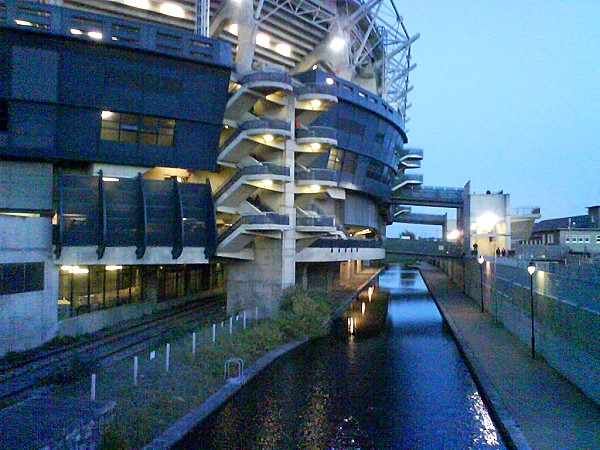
(277, 77)
(263, 169)
(318, 175)
(255, 219)
(316, 132)
(308, 221)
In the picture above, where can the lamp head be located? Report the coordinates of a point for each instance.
(531, 268)
(480, 259)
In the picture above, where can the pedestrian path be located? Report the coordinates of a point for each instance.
(536, 406)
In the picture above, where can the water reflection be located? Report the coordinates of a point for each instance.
(404, 388)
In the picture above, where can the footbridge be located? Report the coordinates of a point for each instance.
(398, 249)
(433, 196)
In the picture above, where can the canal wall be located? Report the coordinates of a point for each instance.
(566, 311)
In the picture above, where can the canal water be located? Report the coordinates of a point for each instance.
(405, 388)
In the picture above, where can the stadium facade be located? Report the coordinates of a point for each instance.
(157, 152)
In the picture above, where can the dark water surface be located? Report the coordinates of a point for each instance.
(406, 388)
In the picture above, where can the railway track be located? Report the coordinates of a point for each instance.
(19, 379)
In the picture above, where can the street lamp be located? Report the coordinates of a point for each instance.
(481, 260)
(531, 270)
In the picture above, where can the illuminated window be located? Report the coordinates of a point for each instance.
(135, 128)
(3, 115)
(335, 159)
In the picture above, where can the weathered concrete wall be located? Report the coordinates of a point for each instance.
(566, 312)
(28, 319)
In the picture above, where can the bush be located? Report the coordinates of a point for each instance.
(302, 314)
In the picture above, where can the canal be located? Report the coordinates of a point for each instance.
(406, 387)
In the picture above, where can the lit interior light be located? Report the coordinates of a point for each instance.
(268, 137)
(488, 220)
(315, 146)
(25, 23)
(363, 307)
(233, 29)
(111, 268)
(454, 234)
(315, 103)
(75, 31)
(329, 80)
(263, 40)
(267, 183)
(315, 187)
(67, 268)
(95, 35)
(144, 4)
(284, 49)
(79, 270)
(109, 179)
(315, 67)
(114, 38)
(106, 115)
(171, 9)
(337, 44)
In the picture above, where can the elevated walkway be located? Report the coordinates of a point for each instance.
(535, 407)
(443, 197)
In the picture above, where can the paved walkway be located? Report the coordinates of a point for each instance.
(537, 407)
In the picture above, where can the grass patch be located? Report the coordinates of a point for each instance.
(144, 411)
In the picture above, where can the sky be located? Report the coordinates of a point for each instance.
(507, 95)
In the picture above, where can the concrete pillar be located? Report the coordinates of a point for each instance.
(150, 283)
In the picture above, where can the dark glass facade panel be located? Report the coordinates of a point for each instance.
(137, 129)
(18, 278)
(80, 213)
(3, 115)
(134, 212)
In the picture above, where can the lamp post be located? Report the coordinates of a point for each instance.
(481, 260)
(531, 269)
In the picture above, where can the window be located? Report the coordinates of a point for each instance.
(135, 128)
(586, 239)
(567, 238)
(3, 115)
(580, 238)
(375, 170)
(335, 159)
(349, 165)
(598, 239)
(21, 277)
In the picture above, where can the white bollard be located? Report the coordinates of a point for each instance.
(167, 357)
(231, 325)
(244, 319)
(214, 332)
(93, 389)
(135, 370)
(194, 343)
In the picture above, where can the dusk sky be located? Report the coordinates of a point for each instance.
(507, 95)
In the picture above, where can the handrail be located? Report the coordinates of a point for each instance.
(255, 169)
(255, 219)
(281, 77)
(309, 221)
(318, 175)
(316, 132)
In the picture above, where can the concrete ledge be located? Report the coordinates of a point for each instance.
(178, 430)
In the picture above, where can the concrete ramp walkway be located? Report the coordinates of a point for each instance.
(536, 406)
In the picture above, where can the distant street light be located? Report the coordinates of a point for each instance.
(481, 260)
(531, 269)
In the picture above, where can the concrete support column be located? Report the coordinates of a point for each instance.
(150, 283)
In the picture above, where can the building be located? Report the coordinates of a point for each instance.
(157, 152)
(493, 225)
(579, 234)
